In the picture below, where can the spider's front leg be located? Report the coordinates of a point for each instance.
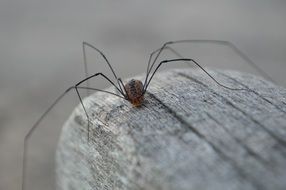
(189, 60)
(204, 41)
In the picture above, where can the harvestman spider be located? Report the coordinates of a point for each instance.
(134, 90)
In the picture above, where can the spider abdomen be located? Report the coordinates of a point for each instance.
(135, 92)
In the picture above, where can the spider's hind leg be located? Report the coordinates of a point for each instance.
(77, 86)
(88, 118)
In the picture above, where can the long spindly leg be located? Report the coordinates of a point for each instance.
(154, 61)
(121, 83)
(218, 42)
(84, 45)
(172, 50)
(86, 79)
(189, 60)
(104, 76)
(34, 127)
(81, 102)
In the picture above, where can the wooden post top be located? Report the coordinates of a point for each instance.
(189, 134)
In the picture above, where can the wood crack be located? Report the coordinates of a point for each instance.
(274, 136)
(259, 95)
(238, 141)
(232, 162)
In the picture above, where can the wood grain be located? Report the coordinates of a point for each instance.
(189, 134)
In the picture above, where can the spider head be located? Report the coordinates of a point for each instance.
(135, 92)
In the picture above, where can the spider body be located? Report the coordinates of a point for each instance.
(135, 92)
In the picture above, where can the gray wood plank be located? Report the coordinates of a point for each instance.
(189, 134)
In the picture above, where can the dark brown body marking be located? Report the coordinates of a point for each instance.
(135, 92)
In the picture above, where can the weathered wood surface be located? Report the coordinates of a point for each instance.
(190, 134)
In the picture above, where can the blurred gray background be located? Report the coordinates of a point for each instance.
(41, 55)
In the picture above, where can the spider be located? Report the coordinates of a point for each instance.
(134, 90)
